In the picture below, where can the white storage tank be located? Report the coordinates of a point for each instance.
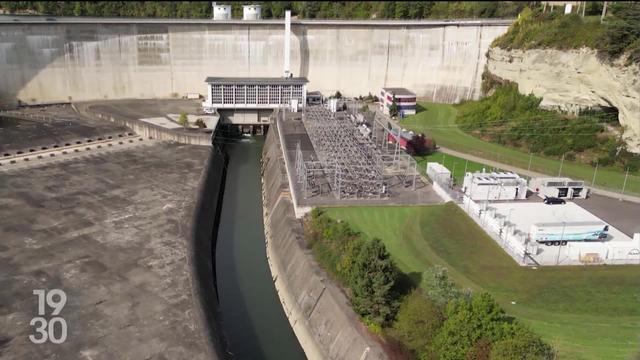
(251, 12)
(221, 12)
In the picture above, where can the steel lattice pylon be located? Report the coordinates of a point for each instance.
(355, 165)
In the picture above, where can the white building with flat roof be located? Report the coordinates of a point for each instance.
(494, 186)
(254, 93)
(560, 187)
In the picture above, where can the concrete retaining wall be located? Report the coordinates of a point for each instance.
(319, 313)
(203, 232)
(151, 131)
(58, 61)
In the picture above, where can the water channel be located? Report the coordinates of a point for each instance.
(252, 317)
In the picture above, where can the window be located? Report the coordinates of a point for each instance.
(263, 94)
(251, 94)
(239, 94)
(274, 94)
(227, 91)
(216, 94)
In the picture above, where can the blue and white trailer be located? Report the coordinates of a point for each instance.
(561, 233)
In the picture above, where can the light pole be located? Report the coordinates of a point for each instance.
(530, 158)
(561, 162)
(453, 172)
(564, 224)
(625, 181)
(593, 181)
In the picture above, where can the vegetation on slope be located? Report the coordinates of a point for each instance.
(586, 312)
(436, 321)
(439, 122)
(619, 34)
(509, 118)
(275, 9)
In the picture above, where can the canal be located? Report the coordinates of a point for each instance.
(253, 321)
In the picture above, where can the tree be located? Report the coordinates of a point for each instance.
(402, 10)
(373, 279)
(468, 322)
(393, 108)
(183, 119)
(417, 324)
(338, 95)
(439, 287)
(420, 145)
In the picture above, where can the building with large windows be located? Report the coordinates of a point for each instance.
(254, 93)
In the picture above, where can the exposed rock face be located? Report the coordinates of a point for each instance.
(573, 80)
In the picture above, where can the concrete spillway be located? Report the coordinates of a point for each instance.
(69, 59)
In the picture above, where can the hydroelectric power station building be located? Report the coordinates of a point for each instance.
(254, 92)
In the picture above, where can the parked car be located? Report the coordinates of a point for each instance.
(553, 201)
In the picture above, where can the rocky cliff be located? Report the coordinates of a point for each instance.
(573, 80)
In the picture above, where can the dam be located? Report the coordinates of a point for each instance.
(46, 60)
(52, 60)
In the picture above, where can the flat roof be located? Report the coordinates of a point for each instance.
(525, 214)
(256, 80)
(398, 91)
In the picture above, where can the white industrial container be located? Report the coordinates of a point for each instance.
(333, 105)
(569, 231)
(221, 12)
(560, 187)
(494, 186)
(438, 173)
(251, 12)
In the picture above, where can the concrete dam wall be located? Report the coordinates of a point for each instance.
(63, 60)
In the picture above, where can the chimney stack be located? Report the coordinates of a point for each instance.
(287, 42)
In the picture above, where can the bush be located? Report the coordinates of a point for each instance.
(183, 120)
(417, 324)
(510, 118)
(438, 287)
(470, 321)
(523, 344)
(200, 124)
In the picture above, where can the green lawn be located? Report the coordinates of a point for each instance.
(585, 312)
(438, 121)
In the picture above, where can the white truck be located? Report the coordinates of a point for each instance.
(561, 233)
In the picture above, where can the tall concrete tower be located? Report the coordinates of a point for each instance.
(287, 42)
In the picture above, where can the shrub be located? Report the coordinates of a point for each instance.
(183, 120)
(200, 124)
(417, 324)
(510, 118)
(521, 343)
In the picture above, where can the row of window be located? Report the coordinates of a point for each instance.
(255, 94)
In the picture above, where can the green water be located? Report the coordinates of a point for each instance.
(252, 317)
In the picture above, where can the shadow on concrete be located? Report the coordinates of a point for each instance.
(301, 33)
